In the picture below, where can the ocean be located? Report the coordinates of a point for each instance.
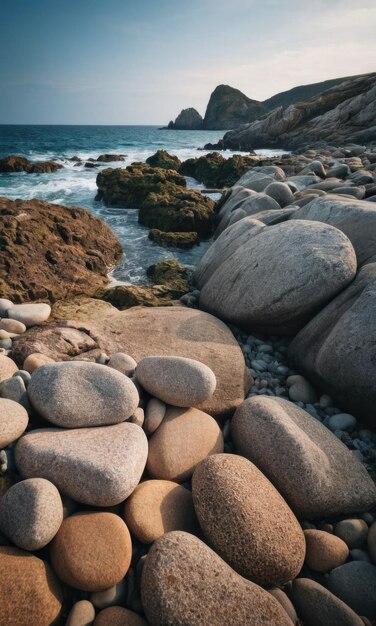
(76, 185)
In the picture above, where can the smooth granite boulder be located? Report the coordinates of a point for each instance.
(335, 350)
(281, 192)
(7, 367)
(319, 607)
(355, 218)
(324, 551)
(176, 380)
(355, 584)
(246, 520)
(29, 591)
(97, 466)
(185, 582)
(80, 394)
(314, 471)
(281, 278)
(13, 421)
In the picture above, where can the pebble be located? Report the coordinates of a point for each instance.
(80, 394)
(7, 367)
(119, 616)
(109, 461)
(123, 363)
(31, 513)
(102, 358)
(154, 413)
(342, 421)
(12, 326)
(138, 417)
(26, 377)
(13, 421)
(82, 613)
(157, 507)
(176, 380)
(15, 389)
(36, 360)
(114, 595)
(92, 551)
(5, 305)
(253, 530)
(353, 532)
(324, 551)
(326, 401)
(355, 584)
(30, 314)
(6, 344)
(300, 390)
(185, 437)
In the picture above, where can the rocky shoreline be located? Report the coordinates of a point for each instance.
(211, 460)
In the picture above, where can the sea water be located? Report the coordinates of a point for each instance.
(76, 185)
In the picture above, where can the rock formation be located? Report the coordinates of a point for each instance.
(188, 119)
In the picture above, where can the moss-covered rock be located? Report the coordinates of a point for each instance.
(165, 160)
(176, 240)
(215, 171)
(170, 272)
(14, 163)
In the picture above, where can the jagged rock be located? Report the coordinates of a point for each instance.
(50, 252)
(176, 240)
(164, 160)
(215, 171)
(170, 272)
(109, 158)
(188, 119)
(20, 164)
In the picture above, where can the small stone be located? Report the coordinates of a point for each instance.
(14, 389)
(154, 414)
(82, 613)
(110, 597)
(5, 305)
(92, 551)
(324, 551)
(185, 437)
(342, 421)
(176, 380)
(102, 359)
(26, 377)
(31, 513)
(30, 314)
(326, 401)
(300, 390)
(352, 531)
(80, 394)
(7, 367)
(13, 421)
(371, 542)
(285, 602)
(138, 417)
(12, 326)
(360, 555)
(123, 363)
(6, 344)
(157, 507)
(355, 584)
(119, 616)
(36, 360)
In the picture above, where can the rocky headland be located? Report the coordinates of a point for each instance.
(213, 460)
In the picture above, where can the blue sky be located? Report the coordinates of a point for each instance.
(142, 61)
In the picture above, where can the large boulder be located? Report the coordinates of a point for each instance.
(171, 331)
(315, 472)
(165, 160)
(214, 170)
(52, 252)
(355, 218)
(335, 349)
(278, 280)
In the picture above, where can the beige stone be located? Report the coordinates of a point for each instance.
(324, 551)
(13, 421)
(7, 367)
(82, 613)
(36, 360)
(119, 616)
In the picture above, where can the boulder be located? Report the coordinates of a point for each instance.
(310, 467)
(264, 287)
(56, 251)
(13, 421)
(185, 582)
(246, 520)
(355, 584)
(176, 240)
(110, 158)
(319, 607)
(108, 460)
(188, 119)
(335, 352)
(7, 367)
(164, 160)
(15, 163)
(281, 192)
(174, 331)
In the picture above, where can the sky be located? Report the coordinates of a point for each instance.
(142, 61)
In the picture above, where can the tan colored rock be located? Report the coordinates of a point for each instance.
(12, 326)
(29, 591)
(154, 414)
(157, 507)
(7, 367)
(319, 607)
(171, 331)
(285, 602)
(185, 582)
(246, 520)
(315, 472)
(36, 360)
(92, 551)
(185, 437)
(82, 613)
(324, 551)
(119, 616)
(13, 421)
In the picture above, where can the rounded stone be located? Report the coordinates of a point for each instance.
(176, 380)
(12, 326)
(285, 602)
(119, 616)
(5, 305)
(246, 520)
(157, 507)
(36, 360)
(110, 597)
(82, 613)
(301, 390)
(13, 421)
(342, 421)
(30, 314)
(97, 466)
(76, 394)
(123, 363)
(185, 437)
(371, 542)
(355, 584)
(138, 417)
(154, 414)
(7, 367)
(185, 582)
(92, 551)
(29, 591)
(319, 607)
(352, 531)
(281, 193)
(31, 513)
(324, 551)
